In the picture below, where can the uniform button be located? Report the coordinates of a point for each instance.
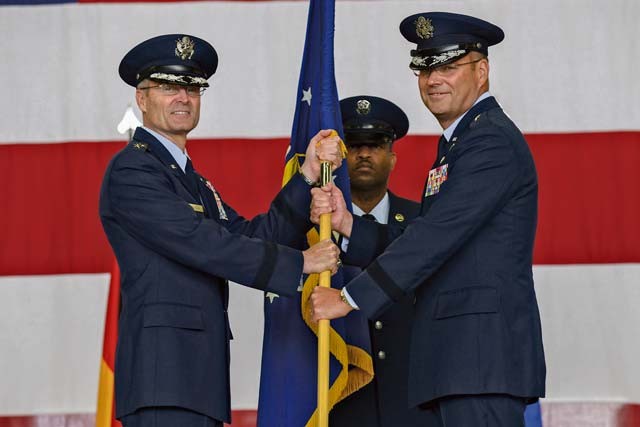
(382, 355)
(378, 325)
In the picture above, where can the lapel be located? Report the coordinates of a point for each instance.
(399, 213)
(213, 207)
(448, 158)
(157, 149)
(207, 197)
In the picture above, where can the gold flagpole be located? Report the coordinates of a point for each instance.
(323, 325)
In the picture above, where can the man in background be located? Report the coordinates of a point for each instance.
(372, 125)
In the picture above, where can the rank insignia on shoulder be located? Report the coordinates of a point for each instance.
(399, 217)
(475, 121)
(436, 177)
(140, 145)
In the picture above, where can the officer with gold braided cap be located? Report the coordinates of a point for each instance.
(177, 242)
(476, 355)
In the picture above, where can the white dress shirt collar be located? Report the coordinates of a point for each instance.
(174, 150)
(380, 211)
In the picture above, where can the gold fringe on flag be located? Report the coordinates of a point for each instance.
(356, 364)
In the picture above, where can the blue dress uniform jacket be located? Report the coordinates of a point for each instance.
(468, 258)
(383, 402)
(175, 250)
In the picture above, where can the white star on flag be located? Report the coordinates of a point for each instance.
(306, 96)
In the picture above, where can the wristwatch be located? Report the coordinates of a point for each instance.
(307, 180)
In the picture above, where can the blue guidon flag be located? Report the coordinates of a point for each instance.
(288, 382)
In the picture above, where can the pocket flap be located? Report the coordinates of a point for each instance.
(470, 300)
(174, 315)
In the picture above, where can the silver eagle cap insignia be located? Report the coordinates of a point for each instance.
(185, 48)
(424, 28)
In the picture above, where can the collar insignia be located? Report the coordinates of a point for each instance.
(140, 145)
(424, 28)
(363, 107)
(185, 47)
(399, 217)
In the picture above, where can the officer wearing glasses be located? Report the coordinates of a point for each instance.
(177, 242)
(476, 356)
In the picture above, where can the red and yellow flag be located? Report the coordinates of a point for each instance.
(105, 414)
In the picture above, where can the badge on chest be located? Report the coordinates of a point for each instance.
(436, 177)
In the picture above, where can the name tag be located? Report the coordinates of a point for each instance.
(197, 208)
(436, 177)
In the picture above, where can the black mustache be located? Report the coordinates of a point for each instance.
(364, 163)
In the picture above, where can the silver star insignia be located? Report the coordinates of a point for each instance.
(306, 96)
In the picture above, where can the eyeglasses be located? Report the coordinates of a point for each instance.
(169, 89)
(446, 70)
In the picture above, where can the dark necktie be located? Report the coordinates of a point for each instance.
(192, 178)
(369, 217)
(442, 151)
(442, 148)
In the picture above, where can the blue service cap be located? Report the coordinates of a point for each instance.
(444, 37)
(170, 58)
(372, 115)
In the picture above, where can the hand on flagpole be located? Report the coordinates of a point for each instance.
(327, 146)
(329, 199)
(326, 303)
(320, 257)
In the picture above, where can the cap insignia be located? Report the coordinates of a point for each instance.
(185, 47)
(424, 28)
(363, 107)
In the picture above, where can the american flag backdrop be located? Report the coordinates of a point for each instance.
(567, 74)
